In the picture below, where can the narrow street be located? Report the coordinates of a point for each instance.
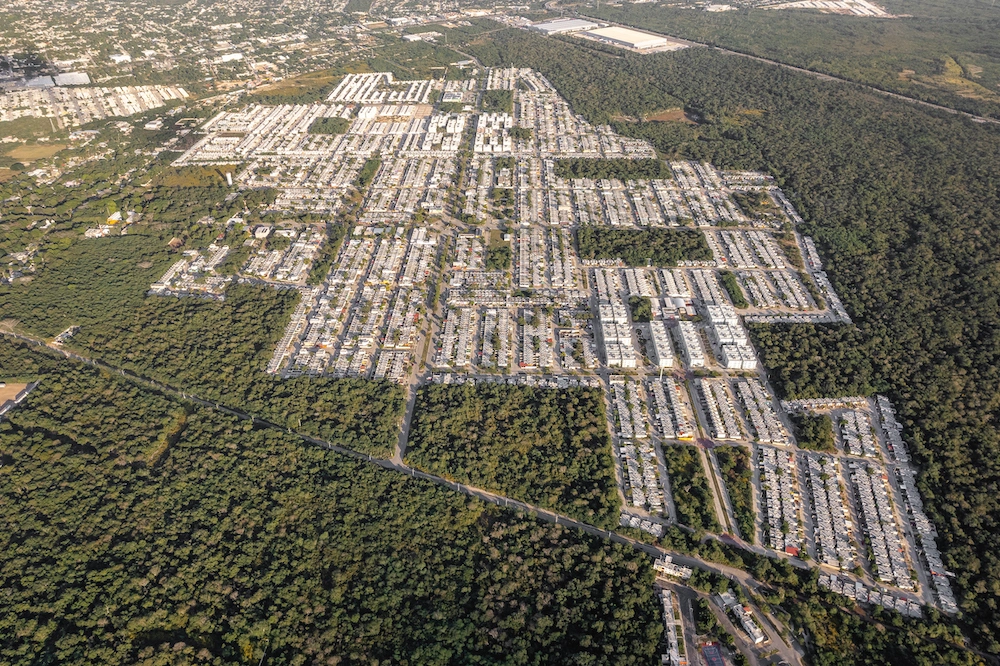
(493, 498)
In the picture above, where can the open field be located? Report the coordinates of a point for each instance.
(671, 116)
(32, 152)
(955, 78)
(195, 176)
(311, 85)
(10, 391)
(27, 128)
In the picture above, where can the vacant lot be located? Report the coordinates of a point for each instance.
(299, 89)
(196, 176)
(30, 152)
(10, 391)
(671, 116)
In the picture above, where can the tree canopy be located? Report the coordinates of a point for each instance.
(618, 168)
(902, 202)
(142, 529)
(641, 247)
(546, 447)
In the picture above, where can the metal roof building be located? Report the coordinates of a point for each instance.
(564, 25)
(629, 38)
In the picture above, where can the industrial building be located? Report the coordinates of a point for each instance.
(563, 26)
(72, 79)
(632, 39)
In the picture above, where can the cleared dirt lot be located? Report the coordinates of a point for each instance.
(10, 391)
(30, 152)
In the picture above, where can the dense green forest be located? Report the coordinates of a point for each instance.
(732, 286)
(619, 167)
(903, 203)
(737, 474)
(641, 307)
(806, 361)
(368, 172)
(335, 234)
(218, 350)
(329, 125)
(87, 282)
(521, 133)
(641, 247)
(813, 431)
(690, 489)
(498, 101)
(141, 529)
(498, 253)
(946, 53)
(546, 447)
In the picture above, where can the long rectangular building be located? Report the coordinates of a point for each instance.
(632, 39)
(691, 344)
(563, 26)
(661, 344)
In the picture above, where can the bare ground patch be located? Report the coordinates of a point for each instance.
(672, 116)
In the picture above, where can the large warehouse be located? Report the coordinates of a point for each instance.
(563, 26)
(632, 39)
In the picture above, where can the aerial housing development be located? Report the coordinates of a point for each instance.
(74, 106)
(414, 295)
(661, 331)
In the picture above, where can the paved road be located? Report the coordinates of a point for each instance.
(737, 576)
(402, 468)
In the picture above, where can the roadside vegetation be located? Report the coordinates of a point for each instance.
(179, 534)
(737, 473)
(547, 447)
(218, 351)
(692, 495)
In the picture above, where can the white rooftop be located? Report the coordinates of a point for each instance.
(564, 25)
